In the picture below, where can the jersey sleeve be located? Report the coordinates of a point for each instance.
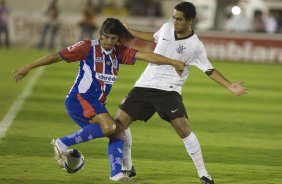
(161, 30)
(200, 59)
(126, 55)
(156, 36)
(76, 52)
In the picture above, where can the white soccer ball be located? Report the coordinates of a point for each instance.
(74, 161)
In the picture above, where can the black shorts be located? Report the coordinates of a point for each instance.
(142, 103)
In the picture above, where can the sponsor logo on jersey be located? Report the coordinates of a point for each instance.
(180, 49)
(106, 78)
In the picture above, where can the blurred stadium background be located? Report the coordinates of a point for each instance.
(240, 137)
(240, 30)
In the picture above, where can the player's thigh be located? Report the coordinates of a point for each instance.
(137, 105)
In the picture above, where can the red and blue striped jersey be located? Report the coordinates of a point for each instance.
(98, 69)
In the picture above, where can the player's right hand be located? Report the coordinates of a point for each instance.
(20, 73)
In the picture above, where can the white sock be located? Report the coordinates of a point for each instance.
(61, 145)
(127, 161)
(193, 148)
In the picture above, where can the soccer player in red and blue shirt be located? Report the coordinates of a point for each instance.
(99, 66)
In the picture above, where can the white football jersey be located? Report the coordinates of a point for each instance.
(190, 50)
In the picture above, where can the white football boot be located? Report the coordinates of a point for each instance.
(60, 150)
(120, 177)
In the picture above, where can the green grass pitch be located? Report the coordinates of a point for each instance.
(240, 137)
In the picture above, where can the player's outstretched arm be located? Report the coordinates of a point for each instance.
(21, 72)
(161, 60)
(235, 87)
(147, 36)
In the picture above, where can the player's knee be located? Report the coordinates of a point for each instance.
(120, 126)
(183, 133)
(118, 135)
(108, 128)
(106, 123)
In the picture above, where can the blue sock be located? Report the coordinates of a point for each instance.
(115, 155)
(91, 131)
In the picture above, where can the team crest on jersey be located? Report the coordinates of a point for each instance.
(180, 49)
(108, 63)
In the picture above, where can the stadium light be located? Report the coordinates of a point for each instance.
(236, 10)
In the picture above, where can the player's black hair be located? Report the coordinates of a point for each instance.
(115, 27)
(187, 8)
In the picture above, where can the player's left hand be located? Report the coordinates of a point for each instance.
(237, 89)
(20, 73)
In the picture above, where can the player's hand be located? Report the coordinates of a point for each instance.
(20, 73)
(237, 89)
(179, 67)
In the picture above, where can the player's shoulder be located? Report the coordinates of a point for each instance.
(166, 29)
(94, 42)
(79, 45)
(195, 39)
(168, 25)
(196, 43)
(124, 49)
(121, 47)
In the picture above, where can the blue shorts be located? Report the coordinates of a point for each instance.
(83, 110)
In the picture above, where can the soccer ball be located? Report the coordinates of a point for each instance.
(74, 161)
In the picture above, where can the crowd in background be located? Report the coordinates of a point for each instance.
(4, 30)
(51, 25)
(144, 8)
(87, 23)
(268, 22)
(263, 22)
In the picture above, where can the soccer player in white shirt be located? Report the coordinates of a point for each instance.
(159, 87)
